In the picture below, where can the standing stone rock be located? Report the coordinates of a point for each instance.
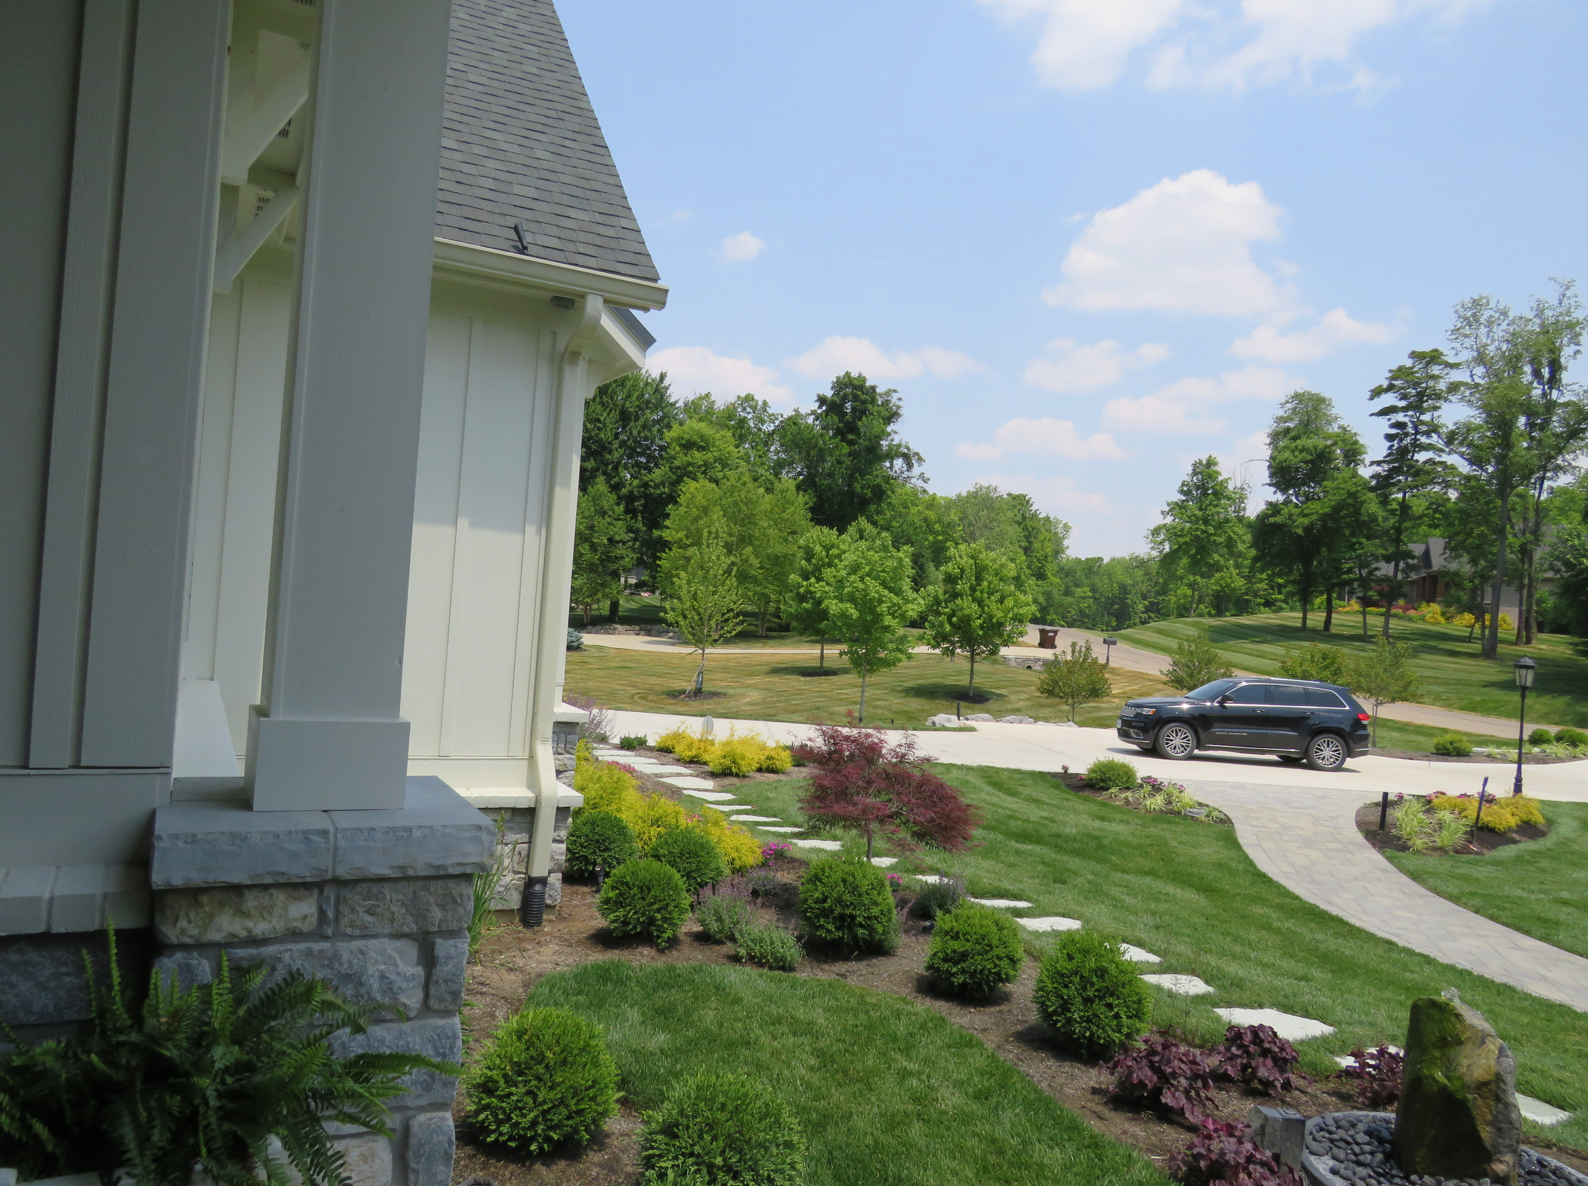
(1458, 1114)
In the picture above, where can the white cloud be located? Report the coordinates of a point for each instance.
(1335, 329)
(838, 354)
(692, 370)
(1187, 405)
(1042, 438)
(1084, 44)
(743, 246)
(1055, 496)
(1078, 366)
(1183, 245)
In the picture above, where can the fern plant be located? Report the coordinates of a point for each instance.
(200, 1080)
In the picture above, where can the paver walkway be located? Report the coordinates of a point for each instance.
(1308, 842)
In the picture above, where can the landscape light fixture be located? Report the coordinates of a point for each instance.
(1108, 649)
(1526, 669)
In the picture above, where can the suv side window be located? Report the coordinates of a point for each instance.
(1284, 694)
(1323, 698)
(1249, 694)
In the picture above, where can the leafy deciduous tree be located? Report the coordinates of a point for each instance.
(869, 601)
(1074, 679)
(703, 600)
(1384, 675)
(1195, 662)
(846, 454)
(603, 547)
(979, 608)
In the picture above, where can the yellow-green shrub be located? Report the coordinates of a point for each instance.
(689, 747)
(740, 849)
(1463, 620)
(736, 756)
(1432, 614)
(1504, 814)
(653, 815)
(776, 759)
(604, 786)
(667, 741)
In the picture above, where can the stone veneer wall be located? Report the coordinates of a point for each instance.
(374, 902)
(515, 817)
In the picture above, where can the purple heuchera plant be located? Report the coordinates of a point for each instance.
(1164, 1075)
(1256, 1056)
(1378, 1076)
(1223, 1154)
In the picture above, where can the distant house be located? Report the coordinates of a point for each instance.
(1434, 572)
(311, 294)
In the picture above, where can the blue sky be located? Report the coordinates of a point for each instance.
(1087, 240)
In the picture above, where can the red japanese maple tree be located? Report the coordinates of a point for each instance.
(860, 781)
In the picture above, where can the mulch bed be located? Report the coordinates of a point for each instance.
(1479, 842)
(1077, 783)
(1419, 756)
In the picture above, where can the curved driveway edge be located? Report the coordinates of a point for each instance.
(1308, 842)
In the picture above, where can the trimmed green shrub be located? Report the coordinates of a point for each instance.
(722, 1129)
(937, 897)
(1575, 738)
(1540, 737)
(545, 1079)
(1089, 992)
(721, 914)
(846, 902)
(631, 741)
(767, 945)
(693, 855)
(776, 759)
(1111, 774)
(975, 951)
(599, 838)
(1452, 745)
(645, 898)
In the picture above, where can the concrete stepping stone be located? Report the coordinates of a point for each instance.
(659, 770)
(1186, 986)
(754, 819)
(1001, 903)
(694, 784)
(1539, 1112)
(786, 830)
(713, 796)
(884, 862)
(830, 845)
(1137, 956)
(1052, 922)
(730, 806)
(931, 878)
(1287, 1025)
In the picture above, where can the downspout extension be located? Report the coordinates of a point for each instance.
(556, 578)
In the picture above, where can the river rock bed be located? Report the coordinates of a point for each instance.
(1355, 1147)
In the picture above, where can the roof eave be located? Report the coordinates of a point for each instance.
(469, 262)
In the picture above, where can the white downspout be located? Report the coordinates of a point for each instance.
(562, 503)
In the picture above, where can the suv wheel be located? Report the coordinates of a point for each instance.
(1326, 752)
(1176, 741)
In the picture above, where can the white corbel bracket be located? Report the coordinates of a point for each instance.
(585, 332)
(233, 255)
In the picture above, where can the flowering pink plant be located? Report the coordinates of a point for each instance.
(895, 881)
(768, 851)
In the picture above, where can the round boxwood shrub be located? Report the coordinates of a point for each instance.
(1572, 737)
(1540, 737)
(1090, 993)
(846, 902)
(545, 1079)
(1111, 774)
(1452, 745)
(722, 1129)
(599, 838)
(693, 855)
(975, 951)
(647, 898)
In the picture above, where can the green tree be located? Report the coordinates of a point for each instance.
(703, 600)
(869, 601)
(603, 547)
(1074, 679)
(810, 587)
(1196, 661)
(845, 454)
(697, 451)
(1383, 675)
(979, 608)
(1204, 534)
(925, 523)
(625, 438)
(752, 424)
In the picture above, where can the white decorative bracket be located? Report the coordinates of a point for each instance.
(233, 254)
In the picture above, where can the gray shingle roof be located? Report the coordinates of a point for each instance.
(520, 142)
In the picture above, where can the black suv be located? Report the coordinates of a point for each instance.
(1299, 720)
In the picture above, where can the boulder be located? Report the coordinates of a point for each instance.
(1017, 720)
(1458, 1115)
(943, 720)
(979, 716)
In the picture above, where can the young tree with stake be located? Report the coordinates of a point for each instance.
(1384, 675)
(1075, 679)
(869, 601)
(805, 606)
(979, 608)
(703, 601)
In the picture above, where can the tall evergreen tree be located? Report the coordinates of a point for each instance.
(625, 438)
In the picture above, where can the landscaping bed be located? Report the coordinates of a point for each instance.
(1479, 842)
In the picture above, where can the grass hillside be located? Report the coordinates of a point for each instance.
(1452, 674)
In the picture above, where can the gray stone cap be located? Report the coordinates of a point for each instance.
(72, 898)
(517, 798)
(567, 714)
(436, 833)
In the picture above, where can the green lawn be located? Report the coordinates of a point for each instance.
(1452, 674)
(783, 688)
(647, 611)
(1187, 891)
(1539, 888)
(888, 1091)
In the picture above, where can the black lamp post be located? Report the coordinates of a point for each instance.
(1108, 653)
(1526, 669)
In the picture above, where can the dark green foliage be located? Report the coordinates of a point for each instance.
(1540, 737)
(975, 951)
(545, 1080)
(1452, 745)
(937, 897)
(847, 903)
(1111, 774)
(845, 454)
(693, 855)
(722, 1129)
(631, 741)
(599, 838)
(1196, 661)
(198, 1080)
(767, 945)
(645, 898)
(1091, 995)
(1572, 737)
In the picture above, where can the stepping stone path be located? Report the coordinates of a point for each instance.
(1539, 1112)
(1287, 1025)
(1050, 923)
(789, 830)
(730, 806)
(884, 862)
(1001, 903)
(754, 819)
(931, 878)
(1137, 956)
(697, 784)
(1186, 986)
(659, 769)
(831, 845)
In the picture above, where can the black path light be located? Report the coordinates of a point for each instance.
(1526, 669)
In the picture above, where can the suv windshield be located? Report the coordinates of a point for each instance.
(1211, 691)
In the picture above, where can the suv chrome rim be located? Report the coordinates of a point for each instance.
(1177, 740)
(1327, 751)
